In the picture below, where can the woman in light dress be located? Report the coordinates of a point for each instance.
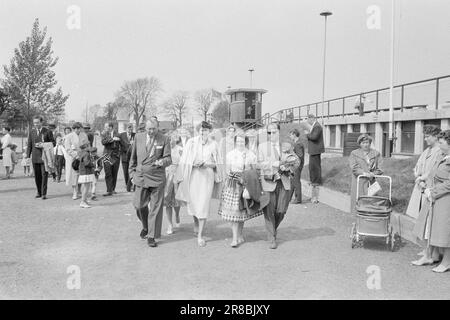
(72, 143)
(7, 159)
(171, 187)
(198, 175)
(237, 161)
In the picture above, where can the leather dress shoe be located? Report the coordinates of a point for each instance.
(38, 196)
(108, 194)
(143, 234)
(151, 242)
(44, 197)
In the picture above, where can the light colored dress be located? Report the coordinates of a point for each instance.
(72, 143)
(172, 187)
(201, 182)
(6, 141)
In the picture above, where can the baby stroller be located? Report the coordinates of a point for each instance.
(373, 218)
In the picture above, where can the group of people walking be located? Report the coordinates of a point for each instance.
(250, 174)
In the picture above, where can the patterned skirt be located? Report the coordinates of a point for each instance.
(229, 202)
(86, 178)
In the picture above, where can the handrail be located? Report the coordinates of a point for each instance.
(402, 86)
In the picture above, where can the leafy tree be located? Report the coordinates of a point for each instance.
(5, 102)
(139, 96)
(31, 78)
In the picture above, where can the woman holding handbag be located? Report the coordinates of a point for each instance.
(198, 175)
(237, 161)
(364, 161)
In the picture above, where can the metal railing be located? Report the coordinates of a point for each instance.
(289, 114)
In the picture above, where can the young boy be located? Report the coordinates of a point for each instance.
(97, 169)
(59, 157)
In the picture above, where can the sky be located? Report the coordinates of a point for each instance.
(195, 44)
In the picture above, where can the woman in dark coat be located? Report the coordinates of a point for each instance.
(363, 161)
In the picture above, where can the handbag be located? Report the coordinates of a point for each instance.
(76, 164)
(373, 189)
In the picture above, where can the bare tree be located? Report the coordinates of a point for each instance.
(176, 107)
(204, 99)
(92, 112)
(140, 96)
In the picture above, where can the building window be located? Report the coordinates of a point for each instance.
(332, 136)
(356, 127)
(408, 135)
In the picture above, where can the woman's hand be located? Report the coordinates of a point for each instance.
(427, 193)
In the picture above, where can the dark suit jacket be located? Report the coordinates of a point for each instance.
(299, 150)
(36, 153)
(111, 147)
(125, 146)
(90, 136)
(315, 140)
(142, 170)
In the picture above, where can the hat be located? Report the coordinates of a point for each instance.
(86, 125)
(77, 125)
(52, 125)
(364, 137)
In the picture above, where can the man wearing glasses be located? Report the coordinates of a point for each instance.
(279, 190)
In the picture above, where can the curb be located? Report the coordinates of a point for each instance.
(401, 223)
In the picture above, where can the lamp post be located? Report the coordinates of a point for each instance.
(324, 14)
(391, 84)
(251, 76)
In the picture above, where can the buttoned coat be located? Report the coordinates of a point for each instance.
(142, 169)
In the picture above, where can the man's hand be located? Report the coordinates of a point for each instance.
(116, 138)
(159, 163)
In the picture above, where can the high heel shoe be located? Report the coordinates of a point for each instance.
(201, 242)
(441, 269)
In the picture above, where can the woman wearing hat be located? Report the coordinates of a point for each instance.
(199, 175)
(364, 161)
(72, 143)
(435, 213)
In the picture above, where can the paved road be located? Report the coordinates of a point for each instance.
(40, 240)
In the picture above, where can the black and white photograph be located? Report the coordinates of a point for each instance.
(239, 152)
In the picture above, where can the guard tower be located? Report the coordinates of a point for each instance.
(245, 106)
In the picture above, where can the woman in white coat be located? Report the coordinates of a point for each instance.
(198, 176)
(7, 160)
(72, 143)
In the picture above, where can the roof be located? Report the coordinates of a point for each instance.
(231, 91)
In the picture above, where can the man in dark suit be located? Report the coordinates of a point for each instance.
(37, 136)
(90, 135)
(150, 155)
(111, 143)
(299, 150)
(315, 149)
(126, 139)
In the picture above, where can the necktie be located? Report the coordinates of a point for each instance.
(149, 144)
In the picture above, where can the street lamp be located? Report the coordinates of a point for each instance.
(251, 76)
(324, 14)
